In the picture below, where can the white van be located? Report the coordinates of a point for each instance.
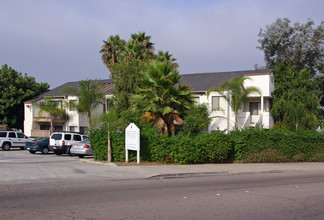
(60, 142)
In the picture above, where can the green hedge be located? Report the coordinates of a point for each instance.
(205, 148)
(297, 146)
(250, 145)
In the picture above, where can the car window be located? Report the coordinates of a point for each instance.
(3, 134)
(57, 136)
(12, 134)
(20, 135)
(42, 139)
(67, 137)
(85, 142)
(85, 137)
(77, 137)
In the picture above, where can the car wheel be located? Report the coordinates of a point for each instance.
(32, 151)
(45, 150)
(6, 146)
(81, 156)
(68, 152)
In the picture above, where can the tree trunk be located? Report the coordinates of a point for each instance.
(236, 114)
(109, 147)
(89, 122)
(51, 125)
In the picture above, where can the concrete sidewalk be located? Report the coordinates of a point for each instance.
(178, 171)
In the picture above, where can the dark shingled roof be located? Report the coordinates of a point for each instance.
(204, 81)
(198, 82)
(107, 88)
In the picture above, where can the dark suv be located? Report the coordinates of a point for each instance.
(60, 142)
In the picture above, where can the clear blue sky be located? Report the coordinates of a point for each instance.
(58, 41)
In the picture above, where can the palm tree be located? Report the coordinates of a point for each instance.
(234, 92)
(112, 49)
(159, 99)
(53, 108)
(166, 57)
(139, 47)
(89, 95)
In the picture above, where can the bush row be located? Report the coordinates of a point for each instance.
(250, 145)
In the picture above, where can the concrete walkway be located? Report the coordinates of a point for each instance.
(178, 171)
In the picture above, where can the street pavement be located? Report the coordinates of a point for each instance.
(18, 166)
(178, 171)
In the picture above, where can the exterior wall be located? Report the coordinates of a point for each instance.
(73, 116)
(75, 120)
(224, 118)
(264, 82)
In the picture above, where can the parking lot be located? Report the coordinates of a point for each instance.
(19, 166)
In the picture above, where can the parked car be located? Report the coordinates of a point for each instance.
(40, 144)
(81, 149)
(10, 139)
(60, 142)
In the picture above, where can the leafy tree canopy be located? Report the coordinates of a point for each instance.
(15, 88)
(295, 98)
(300, 45)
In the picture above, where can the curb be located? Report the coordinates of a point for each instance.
(98, 163)
(227, 173)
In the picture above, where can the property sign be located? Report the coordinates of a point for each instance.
(132, 140)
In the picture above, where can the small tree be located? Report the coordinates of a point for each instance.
(295, 98)
(234, 92)
(196, 120)
(89, 97)
(53, 108)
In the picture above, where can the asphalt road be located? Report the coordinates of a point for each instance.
(258, 196)
(61, 187)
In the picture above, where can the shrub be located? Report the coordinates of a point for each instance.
(266, 156)
(299, 157)
(250, 145)
(318, 157)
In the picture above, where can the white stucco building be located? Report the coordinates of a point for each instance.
(256, 110)
(37, 124)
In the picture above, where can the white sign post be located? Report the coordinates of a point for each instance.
(132, 140)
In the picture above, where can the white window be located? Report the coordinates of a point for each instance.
(216, 103)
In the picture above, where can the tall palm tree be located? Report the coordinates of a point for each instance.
(234, 92)
(159, 99)
(53, 108)
(112, 50)
(139, 47)
(166, 57)
(89, 95)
